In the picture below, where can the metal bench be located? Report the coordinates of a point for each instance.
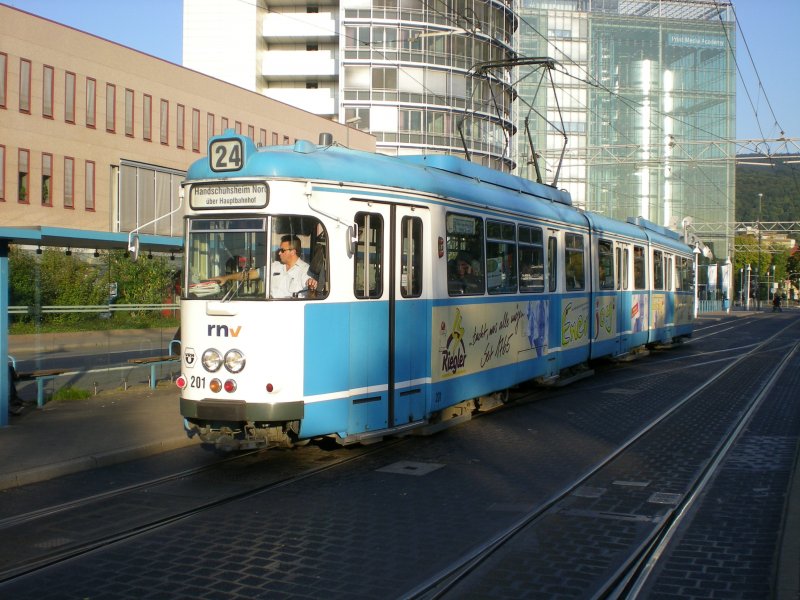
(41, 377)
(154, 361)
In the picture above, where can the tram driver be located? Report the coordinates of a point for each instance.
(289, 275)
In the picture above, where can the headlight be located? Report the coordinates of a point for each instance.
(234, 361)
(212, 360)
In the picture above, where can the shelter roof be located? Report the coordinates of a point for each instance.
(82, 238)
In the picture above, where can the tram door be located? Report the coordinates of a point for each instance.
(390, 319)
(410, 314)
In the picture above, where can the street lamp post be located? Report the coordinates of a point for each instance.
(747, 287)
(727, 281)
(741, 286)
(771, 293)
(696, 252)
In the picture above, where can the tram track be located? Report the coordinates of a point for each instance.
(260, 527)
(465, 576)
(632, 581)
(40, 539)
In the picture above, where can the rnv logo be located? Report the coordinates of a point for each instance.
(224, 331)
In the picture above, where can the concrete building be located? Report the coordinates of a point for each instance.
(98, 137)
(401, 70)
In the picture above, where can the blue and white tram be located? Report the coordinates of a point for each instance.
(431, 282)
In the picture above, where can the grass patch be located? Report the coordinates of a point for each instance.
(67, 393)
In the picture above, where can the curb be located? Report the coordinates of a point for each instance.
(787, 576)
(86, 463)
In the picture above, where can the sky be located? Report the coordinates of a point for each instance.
(768, 80)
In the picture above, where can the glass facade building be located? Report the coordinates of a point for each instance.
(645, 95)
(408, 76)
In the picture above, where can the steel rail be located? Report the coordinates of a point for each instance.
(129, 533)
(446, 579)
(631, 583)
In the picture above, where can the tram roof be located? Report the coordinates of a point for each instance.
(446, 176)
(442, 175)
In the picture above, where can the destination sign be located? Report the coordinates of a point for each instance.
(229, 195)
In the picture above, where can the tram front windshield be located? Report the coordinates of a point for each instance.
(256, 258)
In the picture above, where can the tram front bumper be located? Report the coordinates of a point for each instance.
(240, 410)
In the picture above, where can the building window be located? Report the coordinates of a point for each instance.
(48, 81)
(275, 138)
(262, 137)
(223, 124)
(145, 193)
(23, 185)
(24, 85)
(69, 182)
(312, 85)
(3, 78)
(251, 133)
(147, 117)
(179, 126)
(129, 131)
(209, 126)
(91, 102)
(237, 127)
(69, 97)
(164, 122)
(286, 140)
(89, 185)
(111, 107)
(47, 177)
(2, 173)
(195, 130)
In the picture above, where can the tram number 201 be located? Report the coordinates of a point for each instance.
(197, 382)
(226, 155)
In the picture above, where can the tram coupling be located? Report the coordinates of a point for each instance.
(247, 437)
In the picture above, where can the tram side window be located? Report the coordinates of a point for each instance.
(465, 274)
(531, 259)
(683, 273)
(669, 278)
(605, 259)
(411, 257)
(552, 263)
(639, 266)
(623, 255)
(574, 262)
(658, 270)
(501, 258)
(299, 253)
(626, 255)
(367, 279)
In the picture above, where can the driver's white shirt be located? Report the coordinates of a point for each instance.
(285, 282)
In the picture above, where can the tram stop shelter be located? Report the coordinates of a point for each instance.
(59, 237)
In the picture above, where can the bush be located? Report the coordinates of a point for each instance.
(54, 279)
